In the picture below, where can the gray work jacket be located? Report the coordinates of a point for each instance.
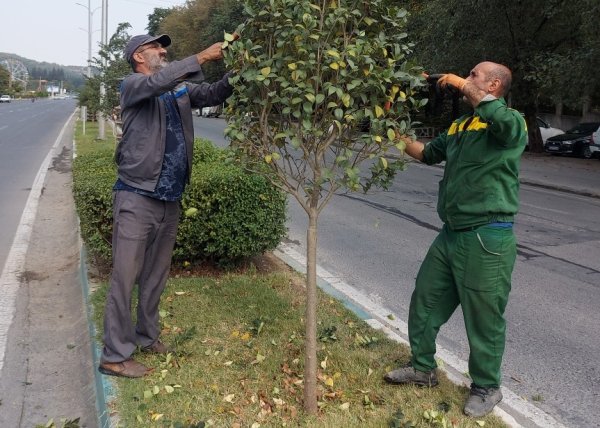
(140, 152)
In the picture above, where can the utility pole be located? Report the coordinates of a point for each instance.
(101, 122)
(90, 32)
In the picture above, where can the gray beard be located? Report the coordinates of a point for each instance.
(157, 64)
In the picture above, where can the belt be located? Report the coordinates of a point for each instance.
(497, 224)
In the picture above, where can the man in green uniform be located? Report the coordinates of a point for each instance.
(471, 261)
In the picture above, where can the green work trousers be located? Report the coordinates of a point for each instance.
(472, 268)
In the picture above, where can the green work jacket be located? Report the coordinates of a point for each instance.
(481, 175)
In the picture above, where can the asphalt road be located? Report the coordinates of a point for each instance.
(45, 352)
(376, 243)
(27, 132)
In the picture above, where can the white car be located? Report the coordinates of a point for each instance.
(5, 99)
(546, 130)
(595, 144)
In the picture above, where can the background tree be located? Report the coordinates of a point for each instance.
(312, 80)
(4, 80)
(113, 68)
(199, 24)
(155, 19)
(548, 44)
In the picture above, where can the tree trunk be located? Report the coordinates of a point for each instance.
(536, 145)
(310, 340)
(558, 111)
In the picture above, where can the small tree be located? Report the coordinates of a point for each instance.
(112, 69)
(313, 84)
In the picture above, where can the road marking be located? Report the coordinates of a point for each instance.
(15, 261)
(398, 330)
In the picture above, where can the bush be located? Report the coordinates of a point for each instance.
(94, 175)
(239, 214)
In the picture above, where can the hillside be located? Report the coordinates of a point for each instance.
(72, 76)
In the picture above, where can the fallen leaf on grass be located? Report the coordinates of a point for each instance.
(180, 293)
(229, 398)
(259, 359)
(228, 363)
(324, 363)
(345, 406)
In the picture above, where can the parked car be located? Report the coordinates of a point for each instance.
(214, 111)
(545, 130)
(595, 147)
(5, 99)
(576, 141)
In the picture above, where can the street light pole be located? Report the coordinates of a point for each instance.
(90, 32)
(101, 122)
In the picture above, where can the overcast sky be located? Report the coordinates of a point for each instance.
(57, 30)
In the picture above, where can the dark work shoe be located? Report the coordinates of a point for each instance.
(409, 375)
(157, 348)
(482, 401)
(128, 368)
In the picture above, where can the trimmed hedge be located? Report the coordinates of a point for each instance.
(235, 214)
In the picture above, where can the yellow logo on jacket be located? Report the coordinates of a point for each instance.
(472, 123)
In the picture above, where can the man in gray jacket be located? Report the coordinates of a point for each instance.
(154, 161)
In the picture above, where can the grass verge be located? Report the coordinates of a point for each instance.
(237, 361)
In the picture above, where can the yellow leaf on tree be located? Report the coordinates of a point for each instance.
(346, 100)
(379, 111)
(292, 66)
(334, 65)
(265, 71)
(391, 134)
(333, 53)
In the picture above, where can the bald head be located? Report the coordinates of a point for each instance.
(498, 75)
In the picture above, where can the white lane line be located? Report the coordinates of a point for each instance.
(399, 332)
(15, 261)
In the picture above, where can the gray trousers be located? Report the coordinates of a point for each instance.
(144, 232)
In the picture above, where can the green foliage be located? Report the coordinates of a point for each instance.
(551, 46)
(197, 25)
(94, 174)
(4, 80)
(155, 19)
(237, 214)
(113, 68)
(307, 76)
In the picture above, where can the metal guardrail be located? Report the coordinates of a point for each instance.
(426, 132)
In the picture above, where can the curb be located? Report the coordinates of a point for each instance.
(104, 388)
